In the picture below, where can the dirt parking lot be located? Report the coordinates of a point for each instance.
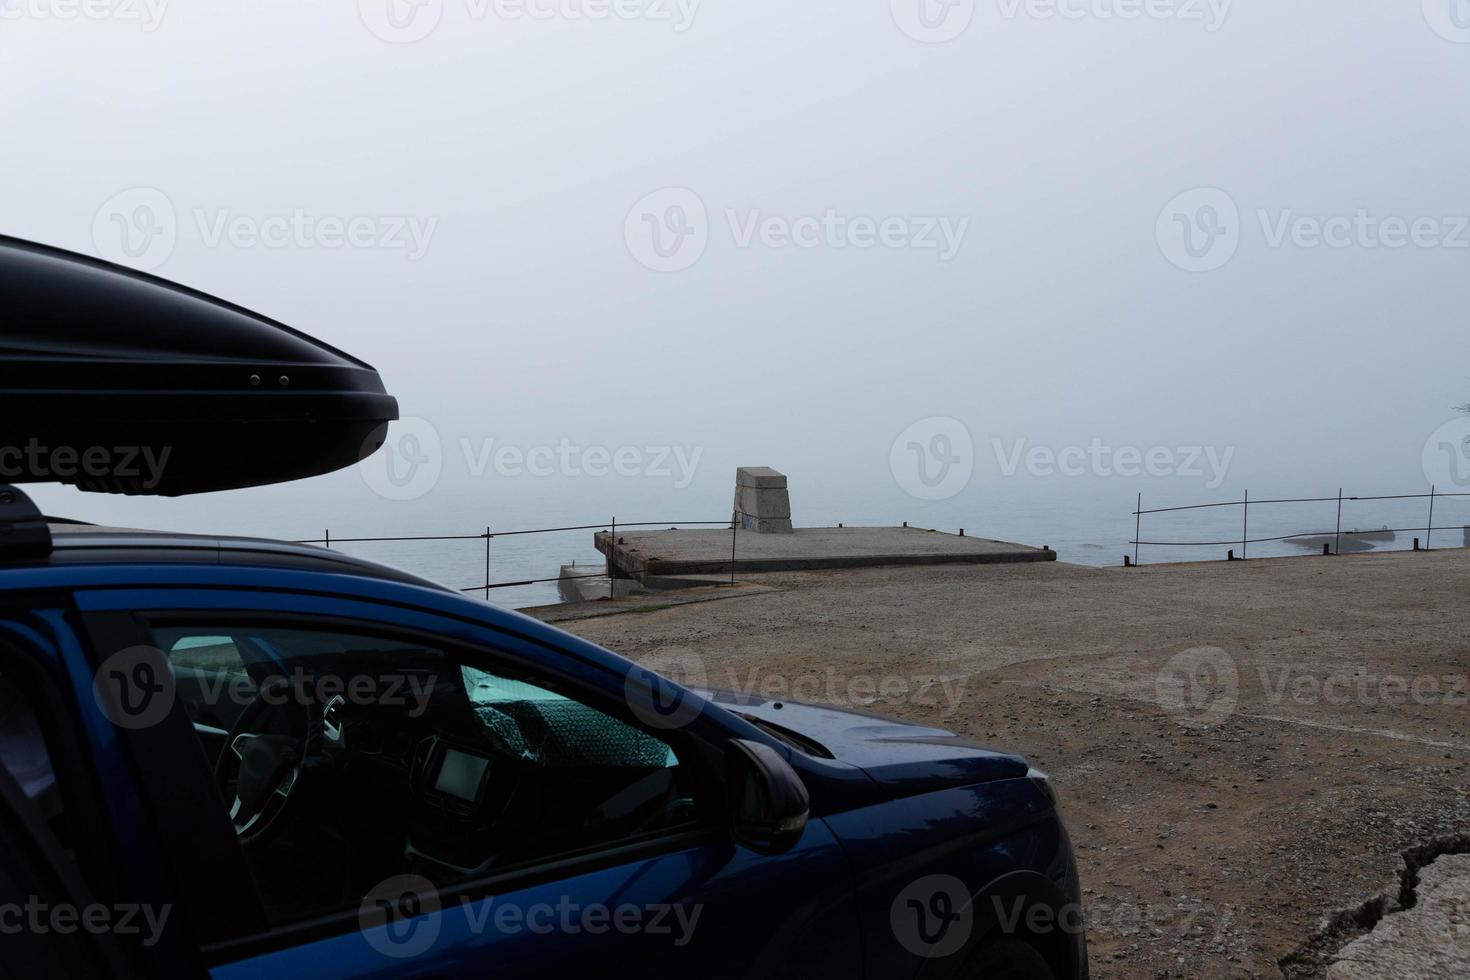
(1242, 749)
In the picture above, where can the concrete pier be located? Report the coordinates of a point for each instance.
(708, 552)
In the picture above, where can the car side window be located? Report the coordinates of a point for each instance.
(27, 883)
(23, 750)
(343, 758)
(43, 855)
(27, 758)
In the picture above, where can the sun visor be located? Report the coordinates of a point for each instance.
(120, 382)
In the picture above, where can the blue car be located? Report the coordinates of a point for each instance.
(243, 758)
(246, 758)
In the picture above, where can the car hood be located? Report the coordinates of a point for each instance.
(902, 758)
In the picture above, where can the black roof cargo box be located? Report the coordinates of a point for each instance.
(118, 381)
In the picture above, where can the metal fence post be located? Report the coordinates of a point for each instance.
(1429, 531)
(1137, 526)
(329, 537)
(1338, 548)
(1245, 526)
(734, 526)
(612, 543)
(487, 564)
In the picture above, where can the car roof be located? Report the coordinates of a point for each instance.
(75, 544)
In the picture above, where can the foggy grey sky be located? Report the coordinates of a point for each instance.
(529, 320)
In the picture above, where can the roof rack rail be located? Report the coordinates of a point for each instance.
(23, 531)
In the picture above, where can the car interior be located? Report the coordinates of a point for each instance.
(343, 760)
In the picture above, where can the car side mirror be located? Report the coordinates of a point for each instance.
(770, 801)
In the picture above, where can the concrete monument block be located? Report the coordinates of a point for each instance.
(762, 502)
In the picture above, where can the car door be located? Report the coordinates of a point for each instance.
(686, 897)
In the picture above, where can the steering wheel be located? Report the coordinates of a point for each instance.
(267, 769)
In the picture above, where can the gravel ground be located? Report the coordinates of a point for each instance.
(1244, 751)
